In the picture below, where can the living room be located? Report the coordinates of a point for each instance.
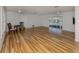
(52, 24)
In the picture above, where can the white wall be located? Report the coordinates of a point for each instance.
(13, 18)
(68, 21)
(2, 25)
(40, 20)
(28, 20)
(77, 24)
(0, 22)
(31, 20)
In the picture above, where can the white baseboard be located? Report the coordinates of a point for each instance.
(76, 40)
(68, 30)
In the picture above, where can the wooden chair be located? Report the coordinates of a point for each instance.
(10, 27)
(22, 26)
(33, 26)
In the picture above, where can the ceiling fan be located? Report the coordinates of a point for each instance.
(20, 11)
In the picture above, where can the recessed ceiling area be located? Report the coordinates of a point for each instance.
(40, 9)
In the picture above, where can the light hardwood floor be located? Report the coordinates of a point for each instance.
(39, 40)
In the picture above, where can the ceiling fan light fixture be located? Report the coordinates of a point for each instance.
(19, 11)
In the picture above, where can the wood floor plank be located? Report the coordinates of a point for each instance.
(39, 40)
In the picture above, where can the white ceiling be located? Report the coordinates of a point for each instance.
(40, 9)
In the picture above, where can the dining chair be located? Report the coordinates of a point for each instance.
(10, 27)
(22, 26)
